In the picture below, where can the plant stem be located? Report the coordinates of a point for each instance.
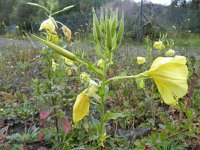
(53, 100)
(144, 74)
(102, 103)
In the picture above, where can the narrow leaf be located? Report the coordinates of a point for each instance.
(37, 5)
(64, 9)
(114, 116)
(108, 36)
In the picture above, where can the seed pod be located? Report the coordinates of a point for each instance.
(57, 48)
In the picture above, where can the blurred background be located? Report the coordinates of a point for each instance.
(142, 18)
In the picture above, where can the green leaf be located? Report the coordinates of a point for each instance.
(64, 9)
(37, 5)
(113, 116)
(119, 35)
(113, 27)
(189, 115)
(96, 27)
(108, 36)
(120, 32)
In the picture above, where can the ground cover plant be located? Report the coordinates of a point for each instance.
(62, 95)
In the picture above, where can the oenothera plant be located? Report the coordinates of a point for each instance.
(169, 73)
(51, 93)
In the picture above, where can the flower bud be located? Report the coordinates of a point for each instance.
(159, 45)
(170, 53)
(141, 60)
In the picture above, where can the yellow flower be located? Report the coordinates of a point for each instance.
(170, 53)
(100, 63)
(81, 107)
(82, 104)
(67, 32)
(170, 75)
(159, 45)
(141, 60)
(48, 25)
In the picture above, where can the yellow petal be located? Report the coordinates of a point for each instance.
(81, 107)
(166, 94)
(170, 75)
(48, 25)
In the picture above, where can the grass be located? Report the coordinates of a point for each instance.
(188, 41)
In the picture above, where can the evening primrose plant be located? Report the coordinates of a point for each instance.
(57, 69)
(169, 73)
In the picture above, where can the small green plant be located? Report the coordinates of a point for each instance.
(29, 136)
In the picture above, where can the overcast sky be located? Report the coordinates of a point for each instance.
(163, 2)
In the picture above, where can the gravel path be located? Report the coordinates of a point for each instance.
(22, 44)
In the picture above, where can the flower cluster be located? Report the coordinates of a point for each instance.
(51, 27)
(82, 104)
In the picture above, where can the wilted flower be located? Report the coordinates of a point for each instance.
(81, 107)
(159, 45)
(82, 104)
(67, 32)
(170, 75)
(100, 63)
(50, 27)
(141, 60)
(170, 53)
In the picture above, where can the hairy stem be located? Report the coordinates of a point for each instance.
(102, 103)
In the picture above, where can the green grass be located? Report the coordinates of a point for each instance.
(187, 41)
